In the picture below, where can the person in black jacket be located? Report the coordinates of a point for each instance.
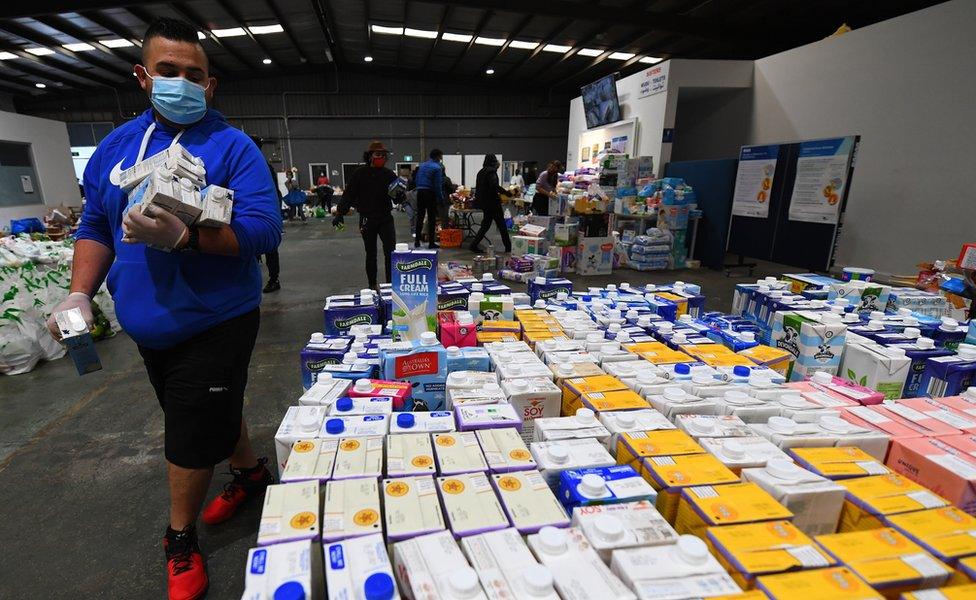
(369, 191)
(487, 197)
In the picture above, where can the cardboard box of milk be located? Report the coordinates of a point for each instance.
(411, 507)
(506, 567)
(351, 509)
(470, 504)
(533, 398)
(359, 568)
(414, 291)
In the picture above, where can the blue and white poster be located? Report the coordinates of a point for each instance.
(821, 180)
(754, 181)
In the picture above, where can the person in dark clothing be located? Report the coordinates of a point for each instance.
(324, 191)
(545, 188)
(487, 197)
(271, 258)
(430, 192)
(369, 190)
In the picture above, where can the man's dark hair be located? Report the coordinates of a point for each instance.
(171, 29)
(436, 154)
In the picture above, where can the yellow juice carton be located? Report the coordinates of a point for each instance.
(635, 445)
(947, 533)
(967, 567)
(668, 475)
(717, 355)
(502, 325)
(616, 400)
(837, 583)
(707, 506)
(750, 595)
(838, 462)
(870, 499)
(956, 592)
(887, 560)
(681, 301)
(751, 550)
(658, 353)
(532, 337)
(776, 359)
(487, 337)
(575, 387)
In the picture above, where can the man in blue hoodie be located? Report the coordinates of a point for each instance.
(430, 191)
(188, 297)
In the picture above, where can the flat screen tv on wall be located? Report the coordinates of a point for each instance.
(600, 103)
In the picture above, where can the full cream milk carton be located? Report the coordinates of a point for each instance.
(746, 407)
(948, 533)
(414, 291)
(740, 453)
(458, 452)
(577, 570)
(411, 507)
(870, 500)
(290, 512)
(299, 423)
(409, 454)
(533, 398)
(487, 416)
(310, 460)
(276, 571)
(470, 504)
(422, 422)
(623, 421)
(359, 568)
(528, 501)
(506, 567)
(712, 426)
(351, 509)
(583, 424)
(877, 367)
(676, 401)
(505, 450)
(553, 458)
(839, 462)
(355, 426)
(432, 567)
(837, 583)
(683, 570)
(751, 550)
(815, 501)
(707, 506)
(610, 527)
(603, 485)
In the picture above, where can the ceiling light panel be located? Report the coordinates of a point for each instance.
(420, 33)
(40, 51)
(387, 30)
(80, 47)
(590, 52)
(622, 55)
(116, 43)
(265, 29)
(524, 45)
(456, 37)
(651, 60)
(231, 32)
(7, 56)
(556, 48)
(487, 41)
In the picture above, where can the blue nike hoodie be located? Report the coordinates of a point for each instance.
(163, 298)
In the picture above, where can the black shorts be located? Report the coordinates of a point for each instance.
(200, 386)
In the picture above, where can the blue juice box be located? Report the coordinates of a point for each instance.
(467, 359)
(547, 288)
(919, 352)
(414, 292)
(603, 485)
(949, 375)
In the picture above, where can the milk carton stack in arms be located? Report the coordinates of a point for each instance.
(414, 292)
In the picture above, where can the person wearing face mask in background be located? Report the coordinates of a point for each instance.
(371, 189)
(188, 297)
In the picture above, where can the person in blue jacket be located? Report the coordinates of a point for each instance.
(188, 297)
(430, 192)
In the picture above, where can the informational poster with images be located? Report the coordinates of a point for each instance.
(754, 181)
(585, 153)
(619, 143)
(821, 180)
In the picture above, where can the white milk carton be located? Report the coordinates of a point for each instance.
(422, 422)
(630, 369)
(815, 501)
(712, 426)
(676, 401)
(217, 206)
(743, 452)
(487, 416)
(409, 454)
(290, 568)
(583, 424)
(523, 370)
(470, 504)
(804, 408)
(491, 393)
(555, 457)
(506, 567)
(359, 457)
(625, 421)
(878, 367)
(577, 570)
(533, 398)
(325, 391)
(310, 460)
(528, 501)
(787, 433)
(611, 527)
(411, 507)
(682, 570)
(355, 426)
(432, 567)
(505, 450)
(361, 405)
(414, 291)
(299, 423)
(547, 347)
(351, 509)
(846, 433)
(290, 512)
(359, 568)
(458, 452)
(747, 408)
(467, 380)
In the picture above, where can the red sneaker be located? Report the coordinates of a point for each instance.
(186, 570)
(247, 484)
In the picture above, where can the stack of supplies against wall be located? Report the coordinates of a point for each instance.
(625, 442)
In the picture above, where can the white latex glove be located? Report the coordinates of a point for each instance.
(160, 228)
(78, 300)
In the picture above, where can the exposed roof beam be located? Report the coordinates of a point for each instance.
(440, 31)
(477, 31)
(236, 16)
(195, 19)
(579, 45)
(40, 39)
(46, 64)
(110, 24)
(617, 47)
(46, 73)
(288, 31)
(17, 85)
(508, 42)
(65, 26)
(326, 26)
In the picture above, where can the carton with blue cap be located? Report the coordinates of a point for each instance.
(290, 570)
(359, 568)
(362, 405)
(422, 422)
(603, 485)
(355, 426)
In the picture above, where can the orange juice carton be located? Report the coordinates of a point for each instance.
(613, 400)
(669, 475)
(815, 501)
(707, 506)
(575, 387)
(947, 533)
(869, 500)
(838, 462)
(633, 446)
(837, 583)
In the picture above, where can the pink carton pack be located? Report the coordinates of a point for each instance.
(944, 468)
(929, 425)
(397, 390)
(877, 418)
(457, 329)
(964, 405)
(827, 383)
(936, 409)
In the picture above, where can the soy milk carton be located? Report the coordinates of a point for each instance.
(359, 568)
(290, 512)
(683, 570)
(610, 527)
(470, 504)
(282, 569)
(505, 450)
(411, 507)
(532, 398)
(506, 567)
(577, 570)
(414, 291)
(432, 567)
(351, 509)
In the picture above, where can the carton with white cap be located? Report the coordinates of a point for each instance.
(486, 416)
(815, 501)
(355, 426)
(707, 506)
(577, 570)
(649, 384)
(532, 398)
(506, 567)
(325, 391)
(522, 370)
(743, 452)
(546, 347)
(505, 450)
(528, 501)
(625, 370)
(469, 380)
(399, 391)
(458, 452)
(623, 421)
(603, 485)
(804, 408)
(787, 433)
(555, 457)
(78, 340)
(837, 583)
(839, 388)
(432, 567)
(299, 423)
(562, 371)
(361, 405)
(422, 422)
(351, 509)
(611, 527)
(613, 400)
(877, 367)
(470, 504)
(359, 568)
(574, 387)
(712, 426)
(310, 460)
(611, 352)
(490, 393)
(681, 570)
(409, 454)
(746, 407)
(289, 570)
(839, 462)
(632, 446)
(411, 507)
(846, 433)
(676, 401)
(583, 424)
(870, 500)
(290, 512)
(467, 359)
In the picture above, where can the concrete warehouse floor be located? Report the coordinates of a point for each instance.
(82, 475)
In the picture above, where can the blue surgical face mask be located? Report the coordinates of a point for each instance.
(178, 100)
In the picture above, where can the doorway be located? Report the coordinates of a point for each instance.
(313, 173)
